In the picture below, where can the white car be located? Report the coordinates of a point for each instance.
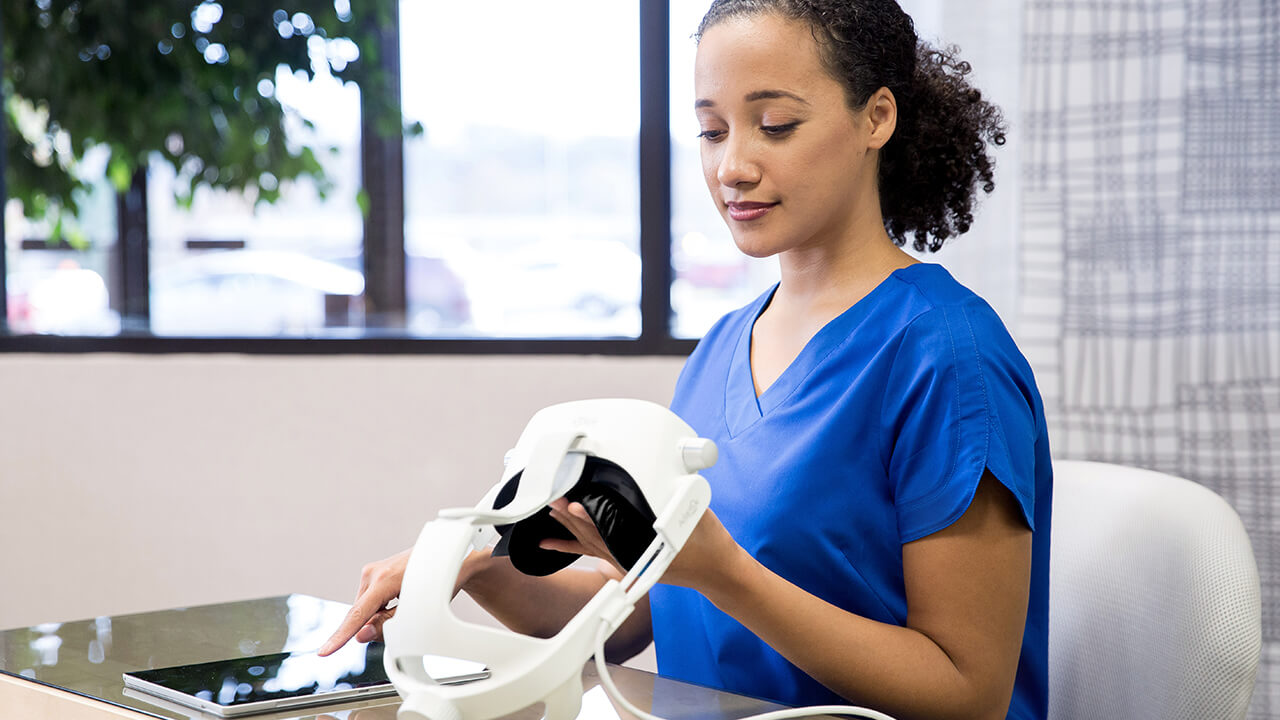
(62, 300)
(558, 288)
(240, 293)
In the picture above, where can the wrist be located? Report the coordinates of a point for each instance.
(728, 581)
(473, 567)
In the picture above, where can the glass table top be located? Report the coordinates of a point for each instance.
(88, 657)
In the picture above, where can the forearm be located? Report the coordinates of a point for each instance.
(537, 606)
(891, 668)
(541, 606)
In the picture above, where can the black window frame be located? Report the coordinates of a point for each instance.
(655, 253)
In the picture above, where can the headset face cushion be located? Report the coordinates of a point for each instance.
(611, 498)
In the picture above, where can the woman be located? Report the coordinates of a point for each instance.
(880, 512)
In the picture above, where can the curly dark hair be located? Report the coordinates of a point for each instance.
(938, 157)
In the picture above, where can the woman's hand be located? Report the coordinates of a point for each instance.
(588, 540)
(708, 554)
(379, 584)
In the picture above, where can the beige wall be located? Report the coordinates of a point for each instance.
(131, 483)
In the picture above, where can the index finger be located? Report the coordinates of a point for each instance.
(361, 612)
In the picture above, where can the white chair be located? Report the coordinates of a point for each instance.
(1154, 602)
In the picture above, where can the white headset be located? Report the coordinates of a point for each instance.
(660, 452)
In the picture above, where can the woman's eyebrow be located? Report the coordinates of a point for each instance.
(756, 96)
(774, 95)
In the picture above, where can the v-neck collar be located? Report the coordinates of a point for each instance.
(743, 408)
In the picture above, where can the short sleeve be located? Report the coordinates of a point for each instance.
(960, 400)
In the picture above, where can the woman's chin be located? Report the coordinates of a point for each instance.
(753, 247)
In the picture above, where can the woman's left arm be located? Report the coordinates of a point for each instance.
(967, 588)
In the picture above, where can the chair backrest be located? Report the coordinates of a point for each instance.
(1154, 601)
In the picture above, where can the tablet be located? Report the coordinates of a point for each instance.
(280, 681)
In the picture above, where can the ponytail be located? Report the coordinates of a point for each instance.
(931, 169)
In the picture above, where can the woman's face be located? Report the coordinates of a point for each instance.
(786, 160)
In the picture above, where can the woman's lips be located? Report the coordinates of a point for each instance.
(746, 211)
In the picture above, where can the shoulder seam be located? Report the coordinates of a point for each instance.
(884, 391)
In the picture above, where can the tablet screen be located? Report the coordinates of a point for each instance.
(246, 680)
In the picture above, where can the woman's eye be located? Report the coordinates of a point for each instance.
(778, 130)
(711, 135)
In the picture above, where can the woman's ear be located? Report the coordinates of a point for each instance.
(882, 117)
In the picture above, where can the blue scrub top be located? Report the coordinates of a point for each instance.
(876, 435)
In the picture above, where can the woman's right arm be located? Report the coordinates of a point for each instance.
(537, 606)
(541, 606)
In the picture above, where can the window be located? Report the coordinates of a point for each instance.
(524, 214)
(522, 195)
(228, 266)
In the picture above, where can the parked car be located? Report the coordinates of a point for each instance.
(250, 293)
(708, 263)
(559, 288)
(65, 299)
(436, 296)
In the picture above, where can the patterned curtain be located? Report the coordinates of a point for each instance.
(1150, 291)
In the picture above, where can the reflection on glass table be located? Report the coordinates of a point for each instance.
(89, 657)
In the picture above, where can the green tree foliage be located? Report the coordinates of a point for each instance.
(187, 81)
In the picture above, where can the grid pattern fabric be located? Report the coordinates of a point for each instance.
(1150, 256)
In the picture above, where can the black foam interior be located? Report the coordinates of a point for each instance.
(612, 499)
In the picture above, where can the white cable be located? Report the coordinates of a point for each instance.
(612, 689)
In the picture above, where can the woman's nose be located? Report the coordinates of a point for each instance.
(738, 166)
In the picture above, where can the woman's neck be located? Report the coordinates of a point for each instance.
(818, 284)
(832, 276)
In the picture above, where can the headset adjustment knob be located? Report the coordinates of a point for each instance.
(698, 453)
